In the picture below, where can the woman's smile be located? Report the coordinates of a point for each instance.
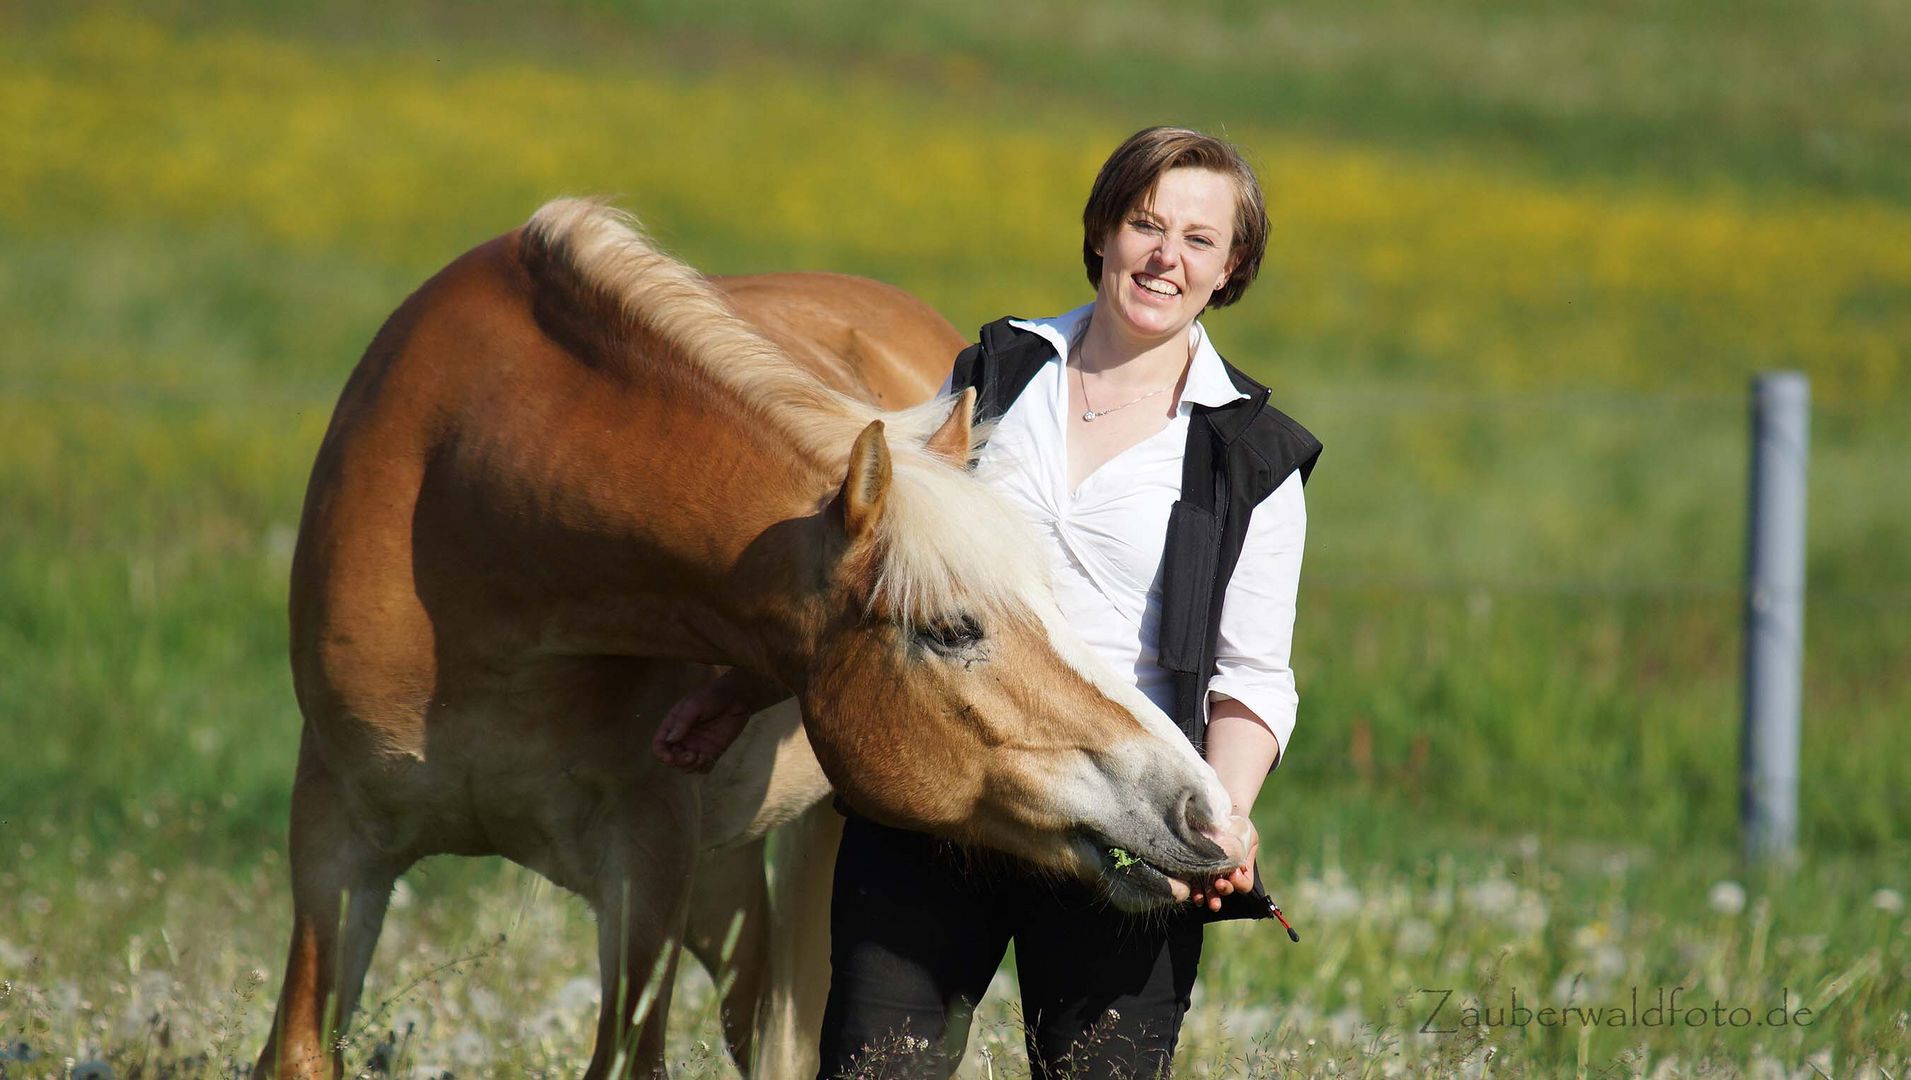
(1157, 286)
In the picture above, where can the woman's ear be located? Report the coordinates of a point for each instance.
(1234, 260)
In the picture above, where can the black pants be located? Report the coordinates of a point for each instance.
(918, 929)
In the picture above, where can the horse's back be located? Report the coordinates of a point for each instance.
(867, 339)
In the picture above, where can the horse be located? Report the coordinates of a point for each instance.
(569, 473)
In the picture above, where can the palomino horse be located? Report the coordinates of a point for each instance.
(567, 472)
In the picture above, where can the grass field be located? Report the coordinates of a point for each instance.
(1525, 258)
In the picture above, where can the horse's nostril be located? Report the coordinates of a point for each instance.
(1192, 822)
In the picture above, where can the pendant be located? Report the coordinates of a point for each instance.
(1090, 415)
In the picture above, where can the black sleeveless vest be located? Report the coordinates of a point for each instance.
(1236, 455)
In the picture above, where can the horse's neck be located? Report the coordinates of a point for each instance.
(628, 499)
(687, 531)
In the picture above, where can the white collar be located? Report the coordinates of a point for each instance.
(1207, 384)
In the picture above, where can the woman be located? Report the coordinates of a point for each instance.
(1170, 498)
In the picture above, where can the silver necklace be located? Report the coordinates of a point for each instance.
(1090, 413)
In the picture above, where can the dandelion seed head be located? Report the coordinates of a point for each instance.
(1490, 898)
(470, 1048)
(580, 993)
(1414, 937)
(1726, 898)
(1530, 915)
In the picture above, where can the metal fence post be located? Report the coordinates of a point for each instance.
(1774, 616)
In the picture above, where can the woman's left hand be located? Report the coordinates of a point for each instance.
(1242, 878)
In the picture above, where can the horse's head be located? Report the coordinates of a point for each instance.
(948, 693)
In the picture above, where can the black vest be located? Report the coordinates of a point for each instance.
(1237, 454)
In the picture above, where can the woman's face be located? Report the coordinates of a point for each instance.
(1168, 255)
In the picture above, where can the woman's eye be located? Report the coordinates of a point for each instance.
(1141, 225)
(951, 635)
(1201, 240)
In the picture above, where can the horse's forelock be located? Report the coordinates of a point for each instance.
(953, 547)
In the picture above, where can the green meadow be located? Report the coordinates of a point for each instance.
(1526, 259)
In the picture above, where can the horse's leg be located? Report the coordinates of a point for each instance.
(642, 895)
(340, 886)
(729, 934)
(798, 989)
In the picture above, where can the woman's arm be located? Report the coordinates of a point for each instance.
(1252, 700)
(1253, 683)
(1242, 751)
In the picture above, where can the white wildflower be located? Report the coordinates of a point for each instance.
(546, 1023)
(1571, 988)
(1414, 937)
(580, 993)
(1608, 962)
(1490, 898)
(1889, 901)
(485, 1005)
(1328, 898)
(1530, 915)
(1345, 1024)
(1592, 935)
(154, 986)
(65, 998)
(470, 1048)
(1727, 898)
(1252, 1022)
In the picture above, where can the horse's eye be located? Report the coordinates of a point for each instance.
(950, 635)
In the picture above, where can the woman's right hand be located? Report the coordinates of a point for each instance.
(1244, 848)
(702, 725)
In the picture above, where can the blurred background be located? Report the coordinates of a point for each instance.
(1526, 257)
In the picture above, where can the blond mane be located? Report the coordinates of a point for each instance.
(949, 544)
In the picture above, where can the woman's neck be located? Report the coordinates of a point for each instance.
(1116, 359)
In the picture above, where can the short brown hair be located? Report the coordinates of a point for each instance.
(1130, 174)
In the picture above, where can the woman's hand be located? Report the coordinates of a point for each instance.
(1245, 849)
(700, 727)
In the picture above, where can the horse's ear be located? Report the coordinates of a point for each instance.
(867, 484)
(951, 440)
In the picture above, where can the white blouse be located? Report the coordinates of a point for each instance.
(1108, 534)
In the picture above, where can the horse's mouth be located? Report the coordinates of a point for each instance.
(1132, 881)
